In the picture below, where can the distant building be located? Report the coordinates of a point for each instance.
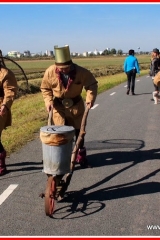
(85, 54)
(33, 54)
(14, 54)
(90, 53)
(19, 55)
(49, 53)
(74, 54)
(27, 53)
(96, 52)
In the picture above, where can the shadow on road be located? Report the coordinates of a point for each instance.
(93, 202)
(134, 188)
(25, 166)
(119, 157)
(114, 152)
(134, 144)
(143, 93)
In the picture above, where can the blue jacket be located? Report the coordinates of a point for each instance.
(130, 63)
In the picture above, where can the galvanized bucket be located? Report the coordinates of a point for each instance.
(57, 144)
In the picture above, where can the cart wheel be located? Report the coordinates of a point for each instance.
(50, 196)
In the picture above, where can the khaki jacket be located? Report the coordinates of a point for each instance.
(156, 80)
(52, 86)
(8, 90)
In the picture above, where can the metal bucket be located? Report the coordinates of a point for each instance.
(57, 144)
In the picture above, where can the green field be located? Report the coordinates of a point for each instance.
(85, 61)
(36, 68)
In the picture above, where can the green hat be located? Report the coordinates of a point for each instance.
(62, 56)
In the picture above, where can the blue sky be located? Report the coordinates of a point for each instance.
(84, 27)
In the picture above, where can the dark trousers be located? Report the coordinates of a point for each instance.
(131, 76)
(156, 88)
(1, 148)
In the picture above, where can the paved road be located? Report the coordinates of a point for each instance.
(119, 196)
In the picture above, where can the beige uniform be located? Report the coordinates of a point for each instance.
(8, 89)
(54, 91)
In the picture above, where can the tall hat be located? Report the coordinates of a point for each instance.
(62, 56)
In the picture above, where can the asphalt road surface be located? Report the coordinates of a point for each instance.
(119, 196)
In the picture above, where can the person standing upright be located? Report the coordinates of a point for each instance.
(131, 68)
(8, 90)
(155, 66)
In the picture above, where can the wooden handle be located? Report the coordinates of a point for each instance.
(50, 119)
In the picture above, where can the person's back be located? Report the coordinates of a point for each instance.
(131, 63)
(131, 67)
(154, 69)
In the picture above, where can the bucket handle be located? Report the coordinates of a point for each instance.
(53, 128)
(50, 119)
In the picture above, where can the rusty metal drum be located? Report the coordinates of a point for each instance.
(57, 144)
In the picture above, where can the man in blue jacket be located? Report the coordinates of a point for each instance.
(131, 67)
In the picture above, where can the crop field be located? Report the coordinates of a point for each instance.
(99, 66)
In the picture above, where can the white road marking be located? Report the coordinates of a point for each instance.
(125, 86)
(112, 93)
(96, 105)
(7, 192)
(147, 76)
(138, 80)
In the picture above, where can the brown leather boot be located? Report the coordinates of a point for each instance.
(3, 169)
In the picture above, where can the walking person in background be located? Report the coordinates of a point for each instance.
(155, 62)
(61, 88)
(8, 89)
(154, 69)
(131, 68)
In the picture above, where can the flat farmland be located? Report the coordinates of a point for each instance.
(99, 66)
